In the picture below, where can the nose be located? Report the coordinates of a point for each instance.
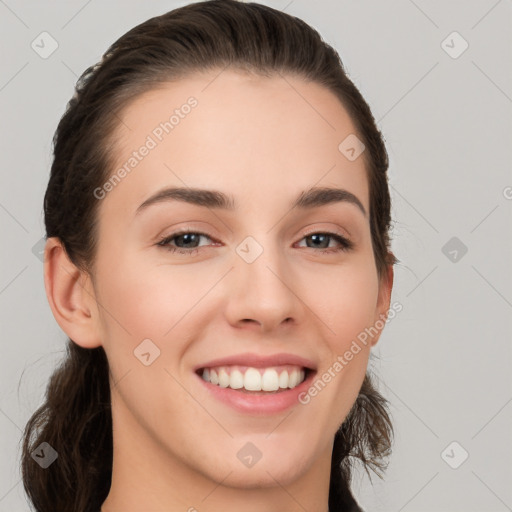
(261, 293)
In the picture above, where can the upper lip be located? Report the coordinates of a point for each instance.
(259, 361)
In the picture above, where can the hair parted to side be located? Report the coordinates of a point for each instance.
(75, 418)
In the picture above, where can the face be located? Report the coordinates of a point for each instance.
(254, 278)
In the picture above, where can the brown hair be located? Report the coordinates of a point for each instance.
(75, 418)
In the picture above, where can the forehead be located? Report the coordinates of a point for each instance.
(269, 137)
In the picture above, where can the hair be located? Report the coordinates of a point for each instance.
(75, 418)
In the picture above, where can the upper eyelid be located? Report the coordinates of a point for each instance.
(184, 232)
(345, 231)
(341, 233)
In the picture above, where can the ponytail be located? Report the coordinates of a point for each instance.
(75, 420)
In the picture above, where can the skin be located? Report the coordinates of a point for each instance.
(264, 141)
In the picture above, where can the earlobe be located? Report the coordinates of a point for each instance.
(383, 301)
(70, 295)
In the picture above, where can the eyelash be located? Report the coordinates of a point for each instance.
(346, 245)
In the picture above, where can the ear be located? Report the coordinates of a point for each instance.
(71, 296)
(383, 301)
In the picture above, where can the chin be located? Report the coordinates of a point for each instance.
(282, 466)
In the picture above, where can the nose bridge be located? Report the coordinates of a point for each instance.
(262, 291)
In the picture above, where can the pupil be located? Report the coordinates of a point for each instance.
(315, 237)
(188, 235)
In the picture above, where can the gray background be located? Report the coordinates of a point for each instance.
(444, 362)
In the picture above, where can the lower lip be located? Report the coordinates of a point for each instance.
(259, 404)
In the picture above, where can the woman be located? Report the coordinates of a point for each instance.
(217, 251)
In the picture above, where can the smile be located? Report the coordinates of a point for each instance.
(246, 378)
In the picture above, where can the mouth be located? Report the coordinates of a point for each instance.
(256, 391)
(256, 380)
(257, 384)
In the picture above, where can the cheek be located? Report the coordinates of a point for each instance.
(345, 300)
(139, 303)
(148, 301)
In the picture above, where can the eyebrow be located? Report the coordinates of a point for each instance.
(312, 198)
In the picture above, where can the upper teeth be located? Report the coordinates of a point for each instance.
(255, 379)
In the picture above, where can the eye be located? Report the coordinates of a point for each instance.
(321, 240)
(186, 242)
